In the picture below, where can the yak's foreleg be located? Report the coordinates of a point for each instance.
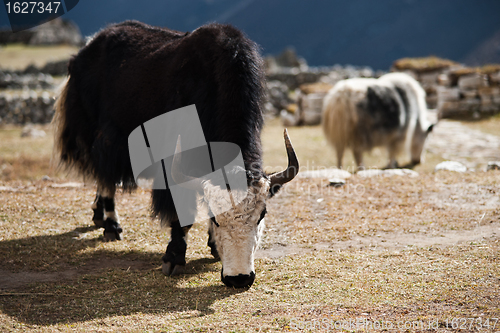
(340, 154)
(174, 260)
(107, 218)
(98, 208)
(358, 157)
(393, 149)
(211, 240)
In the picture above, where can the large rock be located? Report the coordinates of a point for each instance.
(277, 94)
(29, 131)
(451, 166)
(325, 173)
(387, 173)
(472, 81)
(493, 166)
(289, 58)
(54, 32)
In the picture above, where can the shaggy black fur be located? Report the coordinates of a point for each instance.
(382, 108)
(380, 112)
(131, 72)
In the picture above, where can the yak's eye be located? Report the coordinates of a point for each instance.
(262, 215)
(215, 222)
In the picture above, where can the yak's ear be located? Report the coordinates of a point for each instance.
(429, 129)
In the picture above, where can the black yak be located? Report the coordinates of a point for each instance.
(131, 72)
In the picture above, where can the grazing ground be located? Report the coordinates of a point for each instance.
(407, 253)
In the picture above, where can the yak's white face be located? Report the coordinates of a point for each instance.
(418, 143)
(237, 231)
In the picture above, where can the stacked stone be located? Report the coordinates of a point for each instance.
(54, 32)
(309, 96)
(30, 93)
(27, 107)
(295, 77)
(469, 93)
(278, 97)
(14, 80)
(296, 90)
(427, 71)
(309, 105)
(455, 90)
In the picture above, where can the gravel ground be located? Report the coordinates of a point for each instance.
(456, 142)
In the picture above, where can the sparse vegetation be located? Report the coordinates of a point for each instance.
(393, 249)
(318, 87)
(18, 56)
(423, 64)
(486, 69)
(491, 125)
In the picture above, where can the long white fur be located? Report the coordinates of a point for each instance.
(416, 100)
(340, 105)
(113, 215)
(237, 237)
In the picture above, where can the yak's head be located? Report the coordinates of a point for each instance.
(235, 232)
(418, 142)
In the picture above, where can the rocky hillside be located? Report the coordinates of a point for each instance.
(325, 32)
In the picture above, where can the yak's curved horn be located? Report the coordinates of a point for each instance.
(178, 176)
(280, 178)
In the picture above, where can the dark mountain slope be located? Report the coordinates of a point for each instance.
(325, 32)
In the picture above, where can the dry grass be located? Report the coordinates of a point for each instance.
(486, 69)
(490, 68)
(412, 285)
(318, 87)
(315, 153)
(423, 64)
(83, 284)
(26, 158)
(392, 249)
(490, 125)
(18, 56)
(377, 249)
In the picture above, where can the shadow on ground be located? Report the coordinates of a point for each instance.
(97, 284)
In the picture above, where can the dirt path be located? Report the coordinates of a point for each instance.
(393, 241)
(457, 142)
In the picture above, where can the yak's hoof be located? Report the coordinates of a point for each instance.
(215, 254)
(112, 230)
(213, 251)
(111, 236)
(98, 223)
(167, 269)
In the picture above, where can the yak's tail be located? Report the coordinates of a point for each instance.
(58, 123)
(339, 118)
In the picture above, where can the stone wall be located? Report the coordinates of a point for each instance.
(12, 80)
(456, 91)
(28, 95)
(427, 71)
(299, 99)
(26, 107)
(468, 94)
